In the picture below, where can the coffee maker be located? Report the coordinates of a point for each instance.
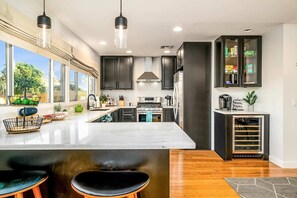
(169, 100)
(225, 102)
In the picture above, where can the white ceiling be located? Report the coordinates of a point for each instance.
(150, 22)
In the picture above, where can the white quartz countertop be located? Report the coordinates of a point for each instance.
(76, 132)
(239, 112)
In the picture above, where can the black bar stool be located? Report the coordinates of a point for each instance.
(13, 183)
(111, 184)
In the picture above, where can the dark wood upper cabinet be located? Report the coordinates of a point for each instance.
(125, 73)
(168, 64)
(180, 58)
(116, 72)
(238, 61)
(108, 71)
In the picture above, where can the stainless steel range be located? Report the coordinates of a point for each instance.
(149, 109)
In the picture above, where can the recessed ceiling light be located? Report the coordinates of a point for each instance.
(102, 43)
(247, 30)
(167, 51)
(128, 51)
(177, 29)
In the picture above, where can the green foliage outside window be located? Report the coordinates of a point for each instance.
(27, 76)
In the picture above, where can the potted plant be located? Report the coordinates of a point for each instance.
(58, 108)
(250, 98)
(103, 100)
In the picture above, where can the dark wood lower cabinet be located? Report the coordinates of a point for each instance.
(121, 115)
(242, 135)
(128, 115)
(168, 115)
(115, 116)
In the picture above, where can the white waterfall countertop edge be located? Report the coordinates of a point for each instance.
(77, 132)
(230, 112)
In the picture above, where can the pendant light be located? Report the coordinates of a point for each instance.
(121, 30)
(44, 37)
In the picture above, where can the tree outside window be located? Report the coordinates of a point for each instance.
(31, 74)
(3, 76)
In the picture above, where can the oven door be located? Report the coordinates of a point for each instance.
(156, 117)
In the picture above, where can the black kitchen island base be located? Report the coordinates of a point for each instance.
(62, 165)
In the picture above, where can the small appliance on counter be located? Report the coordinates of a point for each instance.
(237, 105)
(225, 102)
(168, 100)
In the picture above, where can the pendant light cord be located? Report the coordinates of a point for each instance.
(120, 7)
(43, 7)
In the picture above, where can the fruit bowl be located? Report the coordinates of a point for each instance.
(22, 101)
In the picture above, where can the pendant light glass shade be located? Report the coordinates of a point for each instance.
(44, 36)
(121, 30)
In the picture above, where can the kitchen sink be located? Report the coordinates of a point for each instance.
(98, 109)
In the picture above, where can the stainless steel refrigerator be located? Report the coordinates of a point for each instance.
(178, 100)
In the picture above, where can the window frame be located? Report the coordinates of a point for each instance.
(62, 81)
(6, 78)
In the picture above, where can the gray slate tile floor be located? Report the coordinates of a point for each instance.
(279, 187)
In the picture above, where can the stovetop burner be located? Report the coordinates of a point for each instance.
(149, 105)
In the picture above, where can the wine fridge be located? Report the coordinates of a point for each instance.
(248, 136)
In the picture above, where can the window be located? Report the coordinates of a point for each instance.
(72, 85)
(58, 81)
(31, 72)
(3, 75)
(83, 83)
(91, 85)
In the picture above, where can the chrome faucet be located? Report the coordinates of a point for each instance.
(88, 103)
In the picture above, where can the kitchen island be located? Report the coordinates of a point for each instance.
(65, 148)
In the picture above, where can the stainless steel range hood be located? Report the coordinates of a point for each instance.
(148, 75)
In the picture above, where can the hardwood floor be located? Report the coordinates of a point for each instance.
(201, 174)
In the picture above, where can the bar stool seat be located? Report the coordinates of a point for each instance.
(109, 183)
(13, 183)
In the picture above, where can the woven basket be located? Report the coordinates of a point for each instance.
(23, 124)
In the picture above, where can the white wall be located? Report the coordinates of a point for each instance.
(290, 93)
(142, 89)
(272, 90)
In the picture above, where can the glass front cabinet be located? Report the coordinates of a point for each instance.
(238, 61)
